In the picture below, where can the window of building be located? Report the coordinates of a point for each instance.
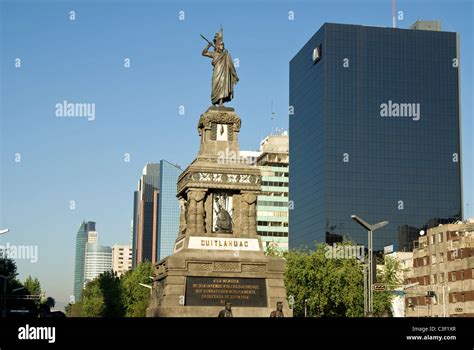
(435, 279)
(433, 259)
(440, 237)
(453, 276)
(463, 297)
(455, 299)
(455, 254)
(462, 275)
(441, 278)
(441, 257)
(426, 280)
(425, 260)
(432, 239)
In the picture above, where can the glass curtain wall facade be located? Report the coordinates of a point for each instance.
(145, 215)
(81, 240)
(168, 209)
(375, 131)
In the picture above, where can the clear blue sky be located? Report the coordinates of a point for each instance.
(65, 159)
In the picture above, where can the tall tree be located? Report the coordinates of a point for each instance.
(92, 300)
(331, 286)
(135, 297)
(102, 297)
(33, 287)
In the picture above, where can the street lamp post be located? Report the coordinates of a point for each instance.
(365, 288)
(2, 232)
(370, 229)
(5, 280)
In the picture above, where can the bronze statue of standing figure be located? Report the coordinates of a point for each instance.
(224, 76)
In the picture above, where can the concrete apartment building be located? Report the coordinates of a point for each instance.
(272, 204)
(443, 265)
(121, 258)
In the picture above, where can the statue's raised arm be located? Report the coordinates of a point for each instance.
(224, 76)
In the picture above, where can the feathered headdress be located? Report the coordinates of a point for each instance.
(219, 37)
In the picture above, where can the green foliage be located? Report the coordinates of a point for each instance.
(33, 287)
(110, 296)
(391, 277)
(136, 298)
(92, 300)
(273, 250)
(332, 286)
(73, 310)
(102, 297)
(8, 267)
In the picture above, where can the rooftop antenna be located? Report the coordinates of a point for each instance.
(272, 118)
(394, 20)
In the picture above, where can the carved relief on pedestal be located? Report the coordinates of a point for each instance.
(248, 212)
(225, 117)
(183, 206)
(195, 214)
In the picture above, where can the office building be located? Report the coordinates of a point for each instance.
(442, 284)
(145, 214)
(81, 240)
(98, 259)
(375, 132)
(121, 258)
(155, 212)
(272, 203)
(168, 210)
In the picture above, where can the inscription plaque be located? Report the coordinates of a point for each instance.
(215, 291)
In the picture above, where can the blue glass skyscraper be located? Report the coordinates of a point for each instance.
(374, 131)
(81, 241)
(168, 209)
(155, 213)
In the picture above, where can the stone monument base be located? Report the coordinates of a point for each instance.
(198, 283)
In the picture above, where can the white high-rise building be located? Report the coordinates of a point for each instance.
(98, 259)
(272, 203)
(121, 258)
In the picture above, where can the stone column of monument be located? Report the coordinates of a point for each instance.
(218, 257)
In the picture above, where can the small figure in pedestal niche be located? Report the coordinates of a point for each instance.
(279, 310)
(222, 213)
(227, 312)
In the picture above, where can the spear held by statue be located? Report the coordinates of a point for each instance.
(202, 36)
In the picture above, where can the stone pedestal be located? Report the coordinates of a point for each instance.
(218, 256)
